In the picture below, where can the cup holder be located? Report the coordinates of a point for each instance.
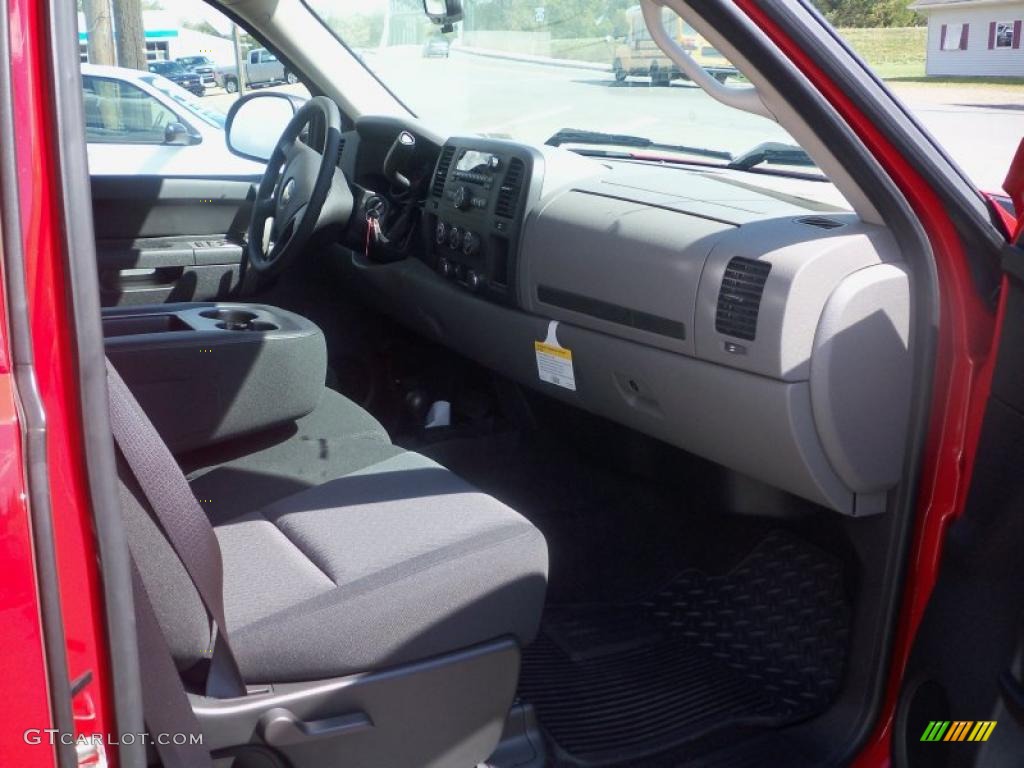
(251, 325)
(237, 320)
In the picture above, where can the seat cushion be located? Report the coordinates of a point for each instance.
(360, 555)
(395, 562)
(244, 474)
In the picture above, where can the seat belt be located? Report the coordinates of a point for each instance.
(183, 521)
(166, 708)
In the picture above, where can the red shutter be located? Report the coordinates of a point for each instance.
(1016, 33)
(991, 35)
(942, 38)
(965, 31)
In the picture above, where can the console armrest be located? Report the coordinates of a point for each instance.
(207, 372)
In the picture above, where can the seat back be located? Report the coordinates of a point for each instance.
(171, 540)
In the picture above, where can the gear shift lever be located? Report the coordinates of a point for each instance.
(398, 159)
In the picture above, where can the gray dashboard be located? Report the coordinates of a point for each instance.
(702, 306)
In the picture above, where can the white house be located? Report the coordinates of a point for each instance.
(167, 39)
(974, 37)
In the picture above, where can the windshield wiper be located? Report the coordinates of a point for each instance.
(768, 153)
(772, 153)
(597, 138)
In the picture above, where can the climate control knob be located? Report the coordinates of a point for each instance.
(470, 244)
(441, 233)
(454, 238)
(473, 280)
(445, 267)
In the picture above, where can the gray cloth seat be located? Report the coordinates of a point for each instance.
(246, 473)
(393, 563)
(362, 557)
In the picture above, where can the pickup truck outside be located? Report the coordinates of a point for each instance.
(202, 66)
(638, 55)
(261, 67)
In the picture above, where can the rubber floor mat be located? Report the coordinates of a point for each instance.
(760, 646)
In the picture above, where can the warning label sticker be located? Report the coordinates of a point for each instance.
(554, 362)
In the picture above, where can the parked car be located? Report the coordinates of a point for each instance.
(142, 122)
(261, 67)
(436, 47)
(203, 66)
(177, 74)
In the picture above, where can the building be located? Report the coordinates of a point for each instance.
(167, 39)
(974, 37)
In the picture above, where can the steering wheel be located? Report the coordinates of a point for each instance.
(294, 187)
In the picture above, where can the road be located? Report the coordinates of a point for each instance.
(529, 102)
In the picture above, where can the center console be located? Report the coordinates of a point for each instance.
(479, 195)
(208, 372)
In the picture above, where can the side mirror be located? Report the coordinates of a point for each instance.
(443, 12)
(255, 123)
(177, 134)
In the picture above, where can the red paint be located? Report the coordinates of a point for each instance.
(983, 388)
(1005, 218)
(22, 665)
(1014, 187)
(966, 339)
(46, 286)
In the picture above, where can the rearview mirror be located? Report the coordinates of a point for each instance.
(443, 12)
(255, 123)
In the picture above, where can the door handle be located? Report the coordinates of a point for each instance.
(279, 727)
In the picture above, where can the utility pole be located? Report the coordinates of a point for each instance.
(239, 60)
(99, 31)
(130, 35)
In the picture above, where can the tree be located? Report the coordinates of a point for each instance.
(869, 13)
(99, 31)
(130, 36)
(358, 30)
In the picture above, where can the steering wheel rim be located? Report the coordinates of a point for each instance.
(294, 188)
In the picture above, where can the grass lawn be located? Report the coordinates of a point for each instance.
(596, 50)
(1015, 82)
(896, 54)
(891, 52)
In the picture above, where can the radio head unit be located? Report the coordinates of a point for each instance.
(479, 195)
(474, 161)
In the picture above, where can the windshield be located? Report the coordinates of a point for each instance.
(194, 105)
(527, 70)
(167, 68)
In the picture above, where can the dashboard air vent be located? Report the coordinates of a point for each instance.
(821, 222)
(508, 195)
(441, 174)
(740, 297)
